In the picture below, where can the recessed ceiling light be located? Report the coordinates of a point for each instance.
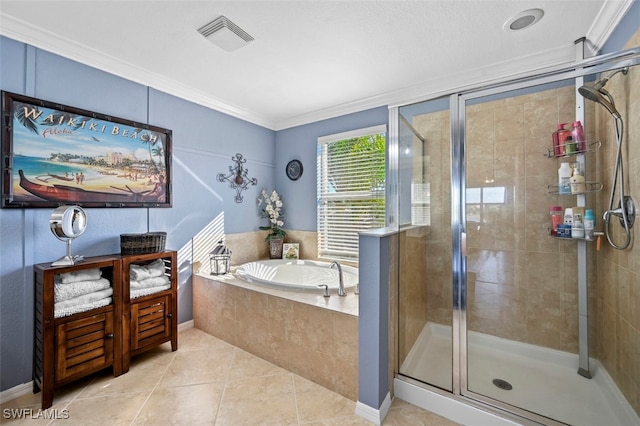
(523, 20)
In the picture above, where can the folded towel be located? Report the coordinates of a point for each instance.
(64, 312)
(141, 272)
(69, 291)
(150, 290)
(149, 282)
(83, 275)
(84, 299)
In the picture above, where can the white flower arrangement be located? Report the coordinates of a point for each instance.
(271, 208)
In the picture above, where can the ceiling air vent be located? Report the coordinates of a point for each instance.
(224, 33)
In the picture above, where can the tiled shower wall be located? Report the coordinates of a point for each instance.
(522, 284)
(618, 286)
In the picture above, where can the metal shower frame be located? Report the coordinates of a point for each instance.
(457, 101)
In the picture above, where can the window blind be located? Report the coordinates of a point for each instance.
(351, 190)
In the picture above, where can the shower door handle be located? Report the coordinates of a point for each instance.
(463, 243)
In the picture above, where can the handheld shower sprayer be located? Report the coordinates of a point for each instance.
(626, 209)
(596, 92)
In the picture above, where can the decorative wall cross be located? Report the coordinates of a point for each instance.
(237, 177)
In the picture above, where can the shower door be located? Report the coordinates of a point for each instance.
(520, 284)
(491, 307)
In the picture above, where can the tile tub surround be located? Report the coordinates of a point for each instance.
(312, 336)
(249, 246)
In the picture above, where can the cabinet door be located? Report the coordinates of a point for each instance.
(150, 321)
(84, 345)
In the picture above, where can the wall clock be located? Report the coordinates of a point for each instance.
(294, 169)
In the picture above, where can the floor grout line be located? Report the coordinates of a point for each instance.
(295, 397)
(152, 390)
(226, 381)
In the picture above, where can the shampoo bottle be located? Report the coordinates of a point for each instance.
(577, 132)
(564, 178)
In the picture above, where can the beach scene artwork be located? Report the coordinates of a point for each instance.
(60, 156)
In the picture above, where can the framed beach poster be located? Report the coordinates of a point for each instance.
(55, 154)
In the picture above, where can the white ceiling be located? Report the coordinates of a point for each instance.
(310, 59)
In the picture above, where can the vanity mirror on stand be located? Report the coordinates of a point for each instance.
(67, 223)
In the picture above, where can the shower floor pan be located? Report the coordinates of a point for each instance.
(544, 381)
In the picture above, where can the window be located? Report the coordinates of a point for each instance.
(351, 190)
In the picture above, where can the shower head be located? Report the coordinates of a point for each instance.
(595, 92)
(598, 96)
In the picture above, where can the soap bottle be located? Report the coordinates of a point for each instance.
(577, 132)
(570, 146)
(577, 183)
(564, 178)
(589, 223)
(559, 137)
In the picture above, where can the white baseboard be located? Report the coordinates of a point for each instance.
(183, 326)
(373, 415)
(16, 392)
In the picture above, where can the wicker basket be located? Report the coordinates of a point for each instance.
(151, 242)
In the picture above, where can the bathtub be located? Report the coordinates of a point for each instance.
(299, 275)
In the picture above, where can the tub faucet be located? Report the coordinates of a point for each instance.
(341, 291)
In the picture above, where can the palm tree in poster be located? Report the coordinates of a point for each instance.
(146, 139)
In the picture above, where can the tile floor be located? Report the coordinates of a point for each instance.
(206, 382)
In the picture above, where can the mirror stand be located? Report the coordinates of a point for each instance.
(68, 259)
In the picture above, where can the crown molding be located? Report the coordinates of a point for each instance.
(605, 23)
(608, 18)
(26, 33)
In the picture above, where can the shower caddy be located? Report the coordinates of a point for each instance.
(71, 347)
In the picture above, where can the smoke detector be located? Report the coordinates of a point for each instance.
(225, 34)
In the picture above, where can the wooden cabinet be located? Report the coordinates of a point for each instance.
(69, 346)
(152, 319)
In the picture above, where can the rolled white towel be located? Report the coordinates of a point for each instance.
(149, 282)
(77, 276)
(69, 291)
(150, 290)
(141, 272)
(64, 312)
(84, 299)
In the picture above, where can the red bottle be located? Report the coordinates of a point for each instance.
(559, 140)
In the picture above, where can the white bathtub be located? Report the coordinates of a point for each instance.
(297, 274)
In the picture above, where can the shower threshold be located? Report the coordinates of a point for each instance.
(542, 380)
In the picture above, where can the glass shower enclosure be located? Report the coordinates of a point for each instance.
(491, 307)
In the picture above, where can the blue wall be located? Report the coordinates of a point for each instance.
(301, 143)
(203, 143)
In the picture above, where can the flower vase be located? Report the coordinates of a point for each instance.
(275, 248)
